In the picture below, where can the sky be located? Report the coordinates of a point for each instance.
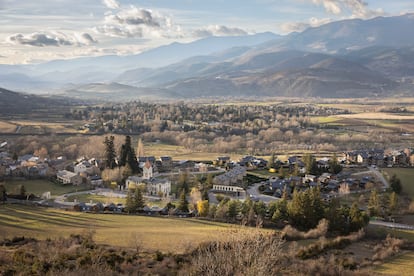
(44, 30)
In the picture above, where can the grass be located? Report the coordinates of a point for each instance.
(151, 233)
(399, 265)
(7, 127)
(38, 187)
(406, 175)
(181, 153)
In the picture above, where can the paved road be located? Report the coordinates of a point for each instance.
(254, 193)
(392, 224)
(377, 173)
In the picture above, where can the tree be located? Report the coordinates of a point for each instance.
(3, 193)
(134, 200)
(310, 164)
(22, 190)
(139, 202)
(306, 209)
(374, 204)
(129, 204)
(357, 218)
(183, 203)
(232, 209)
(110, 154)
(395, 184)
(393, 202)
(203, 208)
(127, 155)
(334, 166)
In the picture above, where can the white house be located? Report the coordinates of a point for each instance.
(153, 186)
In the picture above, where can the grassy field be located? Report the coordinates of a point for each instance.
(180, 153)
(400, 265)
(95, 198)
(406, 175)
(38, 187)
(7, 127)
(151, 233)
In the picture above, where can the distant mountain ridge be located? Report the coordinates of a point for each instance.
(349, 58)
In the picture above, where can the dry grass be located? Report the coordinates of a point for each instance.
(399, 265)
(165, 234)
(377, 116)
(7, 127)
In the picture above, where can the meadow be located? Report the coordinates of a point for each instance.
(39, 186)
(406, 175)
(149, 233)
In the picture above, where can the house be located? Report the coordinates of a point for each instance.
(147, 171)
(229, 189)
(96, 181)
(84, 167)
(158, 187)
(233, 177)
(222, 160)
(166, 163)
(67, 177)
(153, 186)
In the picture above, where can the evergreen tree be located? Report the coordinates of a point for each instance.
(232, 209)
(3, 193)
(128, 156)
(310, 164)
(139, 202)
(183, 203)
(129, 204)
(110, 154)
(395, 184)
(334, 166)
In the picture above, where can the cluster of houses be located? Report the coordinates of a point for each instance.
(380, 158)
(327, 182)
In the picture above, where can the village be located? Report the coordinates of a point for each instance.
(229, 177)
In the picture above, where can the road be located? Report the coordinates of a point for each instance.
(254, 193)
(392, 224)
(378, 175)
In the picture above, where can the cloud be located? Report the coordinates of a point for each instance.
(219, 30)
(111, 4)
(138, 22)
(40, 40)
(357, 8)
(85, 38)
(301, 26)
(56, 39)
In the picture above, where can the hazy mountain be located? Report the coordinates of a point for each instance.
(353, 34)
(355, 58)
(14, 103)
(118, 92)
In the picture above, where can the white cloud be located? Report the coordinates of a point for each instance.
(219, 30)
(138, 22)
(357, 8)
(301, 26)
(111, 4)
(56, 39)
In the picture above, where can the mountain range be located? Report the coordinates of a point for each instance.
(350, 58)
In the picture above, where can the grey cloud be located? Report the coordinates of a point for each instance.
(219, 31)
(136, 17)
(39, 40)
(137, 22)
(87, 39)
